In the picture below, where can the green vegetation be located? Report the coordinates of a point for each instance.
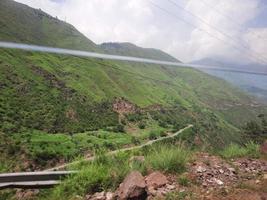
(256, 131)
(235, 151)
(54, 106)
(128, 49)
(183, 181)
(21, 23)
(107, 172)
(168, 159)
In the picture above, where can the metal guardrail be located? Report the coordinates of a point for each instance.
(26, 180)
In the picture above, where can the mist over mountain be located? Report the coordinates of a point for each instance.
(251, 83)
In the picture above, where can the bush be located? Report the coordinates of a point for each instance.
(152, 135)
(163, 124)
(119, 129)
(163, 134)
(168, 159)
(142, 125)
(135, 140)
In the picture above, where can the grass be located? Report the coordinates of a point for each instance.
(102, 174)
(179, 195)
(250, 149)
(183, 181)
(107, 172)
(69, 95)
(168, 158)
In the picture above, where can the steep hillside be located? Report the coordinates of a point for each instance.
(20, 23)
(94, 103)
(128, 49)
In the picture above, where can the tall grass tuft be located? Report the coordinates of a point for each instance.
(250, 149)
(106, 172)
(168, 158)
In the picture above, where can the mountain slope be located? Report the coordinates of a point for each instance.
(128, 49)
(42, 94)
(251, 83)
(21, 23)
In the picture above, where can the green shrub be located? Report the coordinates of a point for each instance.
(135, 140)
(119, 128)
(163, 124)
(169, 159)
(152, 135)
(163, 134)
(142, 125)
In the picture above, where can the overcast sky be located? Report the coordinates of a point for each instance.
(143, 23)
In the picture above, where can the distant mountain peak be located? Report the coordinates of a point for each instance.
(129, 49)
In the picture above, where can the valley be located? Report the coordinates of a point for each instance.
(58, 109)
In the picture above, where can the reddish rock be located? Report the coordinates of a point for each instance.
(263, 148)
(156, 180)
(133, 187)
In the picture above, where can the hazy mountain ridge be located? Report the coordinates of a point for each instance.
(129, 49)
(251, 83)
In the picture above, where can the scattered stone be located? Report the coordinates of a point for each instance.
(257, 181)
(201, 169)
(218, 181)
(98, 196)
(109, 196)
(170, 187)
(156, 180)
(221, 171)
(133, 187)
(231, 169)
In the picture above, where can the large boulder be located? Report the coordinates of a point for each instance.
(133, 187)
(156, 180)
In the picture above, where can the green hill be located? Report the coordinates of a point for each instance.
(21, 23)
(42, 94)
(128, 49)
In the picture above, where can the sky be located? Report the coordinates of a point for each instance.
(232, 30)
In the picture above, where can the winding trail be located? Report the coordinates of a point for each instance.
(124, 149)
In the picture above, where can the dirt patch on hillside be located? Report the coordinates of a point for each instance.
(123, 106)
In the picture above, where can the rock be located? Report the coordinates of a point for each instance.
(231, 169)
(221, 171)
(265, 176)
(156, 180)
(98, 196)
(201, 169)
(133, 187)
(109, 196)
(170, 187)
(263, 148)
(257, 181)
(218, 181)
(152, 191)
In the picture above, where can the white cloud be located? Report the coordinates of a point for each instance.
(140, 22)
